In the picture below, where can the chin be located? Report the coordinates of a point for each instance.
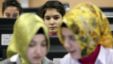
(35, 62)
(53, 31)
(75, 55)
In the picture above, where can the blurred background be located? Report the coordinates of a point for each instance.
(38, 3)
(56, 49)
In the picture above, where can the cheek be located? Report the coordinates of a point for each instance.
(29, 53)
(44, 50)
(17, 11)
(76, 46)
(30, 50)
(47, 22)
(59, 21)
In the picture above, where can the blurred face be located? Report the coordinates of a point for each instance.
(70, 43)
(52, 19)
(11, 12)
(37, 49)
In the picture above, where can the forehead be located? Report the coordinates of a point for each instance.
(11, 8)
(39, 37)
(66, 31)
(52, 11)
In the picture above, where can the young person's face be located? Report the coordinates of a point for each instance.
(52, 19)
(11, 12)
(37, 49)
(70, 43)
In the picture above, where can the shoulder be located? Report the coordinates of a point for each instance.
(61, 60)
(12, 60)
(109, 51)
(65, 59)
(106, 52)
(47, 61)
(109, 55)
(6, 61)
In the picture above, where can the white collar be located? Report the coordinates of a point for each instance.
(68, 60)
(14, 58)
(101, 56)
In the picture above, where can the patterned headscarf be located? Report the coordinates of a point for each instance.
(100, 27)
(26, 26)
(90, 26)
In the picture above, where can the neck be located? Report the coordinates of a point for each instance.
(37, 63)
(76, 55)
(52, 33)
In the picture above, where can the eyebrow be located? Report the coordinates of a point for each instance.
(50, 15)
(37, 42)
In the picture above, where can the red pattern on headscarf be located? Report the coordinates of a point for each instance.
(90, 59)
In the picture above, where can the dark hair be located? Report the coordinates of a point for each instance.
(53, 4)
(63, 25)
(41, 31)
(14, 3)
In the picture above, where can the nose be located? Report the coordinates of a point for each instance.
(52, 21)
(38, 50)
(66, 45)
(11, 17)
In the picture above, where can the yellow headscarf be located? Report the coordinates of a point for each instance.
(89, 25)
(25, 28)
(99, 24)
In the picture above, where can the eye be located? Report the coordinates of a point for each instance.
(7, 15)
(32, 44)
(44, 44)
(72, 38)
(56, 17)
(47, 17)
(15, 15)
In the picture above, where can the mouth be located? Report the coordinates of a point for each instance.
(72, 51)
(36, 57)
(52, 27)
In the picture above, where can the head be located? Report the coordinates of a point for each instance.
(11, 9)
(30, 38)
(52, 14)
(85, 26)
(70, 42)
(74, 38)
(37, 48)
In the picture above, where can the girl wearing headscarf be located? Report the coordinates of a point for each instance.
(29, 43)
(86, 35)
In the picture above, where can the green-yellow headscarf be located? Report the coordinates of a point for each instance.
(89, 25)
(26, 26)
